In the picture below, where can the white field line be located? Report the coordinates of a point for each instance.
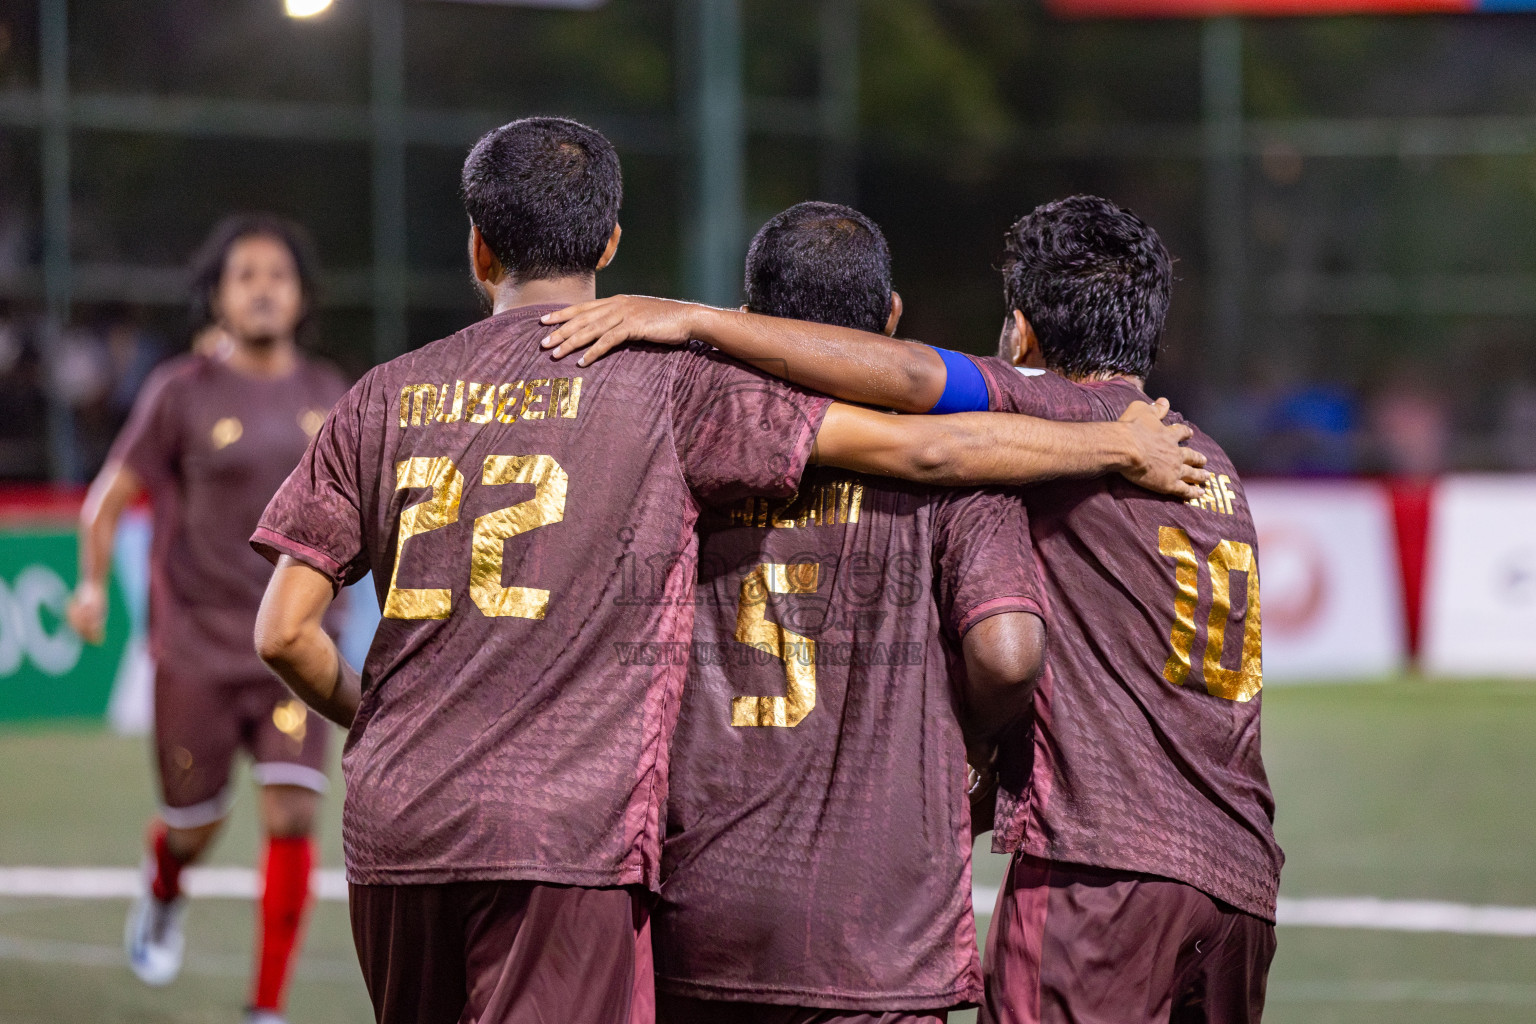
(1365, 913)
(1408, 916)
(1370, 914)
(124, 883)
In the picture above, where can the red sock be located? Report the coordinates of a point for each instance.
(167, 882)
(284, 899)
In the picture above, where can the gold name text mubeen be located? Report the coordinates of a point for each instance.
(472, 402)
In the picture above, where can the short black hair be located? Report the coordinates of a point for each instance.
(1093, 280)
(823, 262)
(545, 194)
(208, 263)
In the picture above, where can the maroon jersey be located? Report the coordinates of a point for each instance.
(818, 830)
(530, 524)
(212, 445)
(1145, 746)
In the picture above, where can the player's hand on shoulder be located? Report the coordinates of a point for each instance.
(1160, 462)
(87, 611)
(604, 324)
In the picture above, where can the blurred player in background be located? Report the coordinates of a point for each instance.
(533, 540)
(1145, 872)
(211, 437)
(833, 777)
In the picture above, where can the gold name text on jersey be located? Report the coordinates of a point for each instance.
(829, 504)
(473, 402)
(1218, 495)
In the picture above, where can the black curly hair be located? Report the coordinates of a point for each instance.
(1093, 280)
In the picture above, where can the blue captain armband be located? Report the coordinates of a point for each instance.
(965, 389)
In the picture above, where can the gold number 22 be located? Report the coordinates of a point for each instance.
(797, 652)
(491, 533)
(1229, 556)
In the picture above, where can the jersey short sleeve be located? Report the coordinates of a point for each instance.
(150, 442)
(985, 560)
(1038, 392)
(740, 432)
(316, 515)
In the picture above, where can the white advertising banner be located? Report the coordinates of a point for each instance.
(1329, 583)
(1480, 582)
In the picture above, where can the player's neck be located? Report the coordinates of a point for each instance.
(563, 291)
(1099, 378)
(269, 357)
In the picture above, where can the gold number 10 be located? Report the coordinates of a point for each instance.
(491, 533)
(1229, 556)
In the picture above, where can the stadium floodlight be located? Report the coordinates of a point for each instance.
(305, 8)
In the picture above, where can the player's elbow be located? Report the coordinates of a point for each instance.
(278, 637)
(289, 623)
(931, 456)
(1007, 652)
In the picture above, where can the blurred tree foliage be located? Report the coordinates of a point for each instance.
(970, 113)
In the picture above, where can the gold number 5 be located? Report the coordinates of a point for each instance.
(491, 533)
(1229, 556)
(797, 652)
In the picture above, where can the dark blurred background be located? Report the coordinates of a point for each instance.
(1351, 201)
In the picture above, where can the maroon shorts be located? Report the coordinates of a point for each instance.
(688, 1010)
(200, 726)
(503, 952)
(1090, 946)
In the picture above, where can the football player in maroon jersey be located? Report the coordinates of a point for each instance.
(211, 437)
(897, 614)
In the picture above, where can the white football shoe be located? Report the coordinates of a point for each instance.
(154, 936)
(264, 1017)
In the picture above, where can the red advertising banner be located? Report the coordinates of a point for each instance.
(1273, 8)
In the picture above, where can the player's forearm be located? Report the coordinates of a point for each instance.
(970, 449)
(855, 366)
(1001, 448)
(291, 639)
(1025, 449)
(988, 714)
(992, 704)
(309, 663)
(96, 540)
(109, 495)
(344, 694)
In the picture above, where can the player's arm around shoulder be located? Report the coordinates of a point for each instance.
(1006, 448)
(856, 366)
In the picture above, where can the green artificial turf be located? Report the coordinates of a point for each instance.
(1403, 790)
